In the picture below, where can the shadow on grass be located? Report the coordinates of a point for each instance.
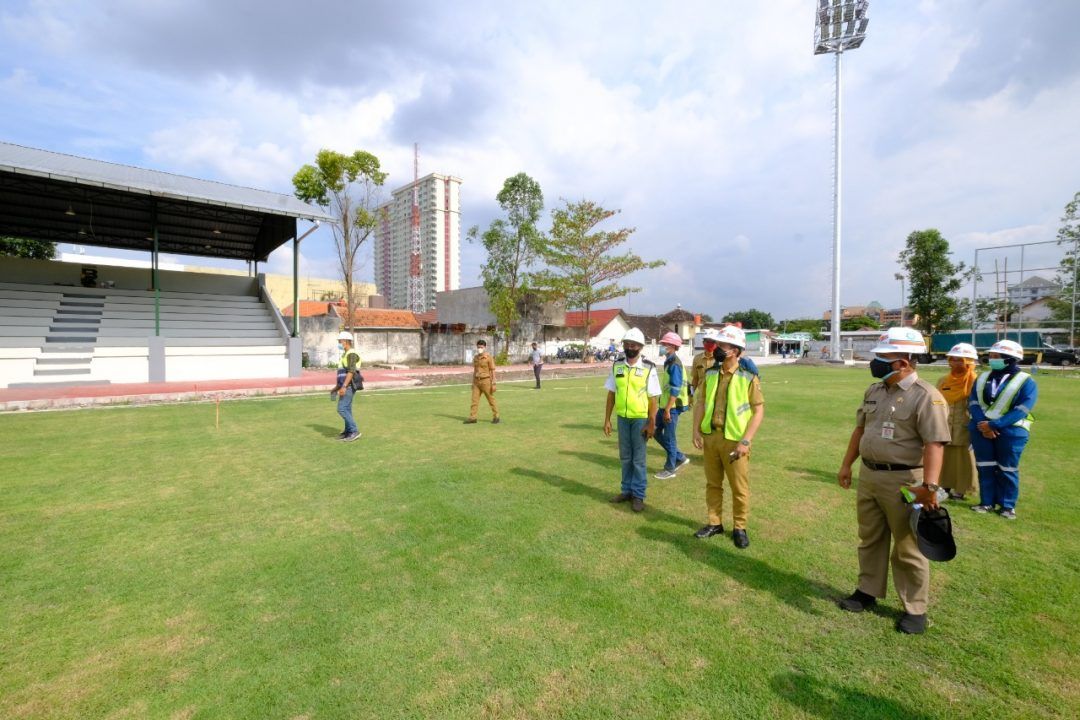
(609, 462)
(791, 588)
(828, 476)
(573, 487)
(459, 418)
(325, 430)
(832, 701)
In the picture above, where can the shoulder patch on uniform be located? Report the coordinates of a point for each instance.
(938, 402)
(650, 363)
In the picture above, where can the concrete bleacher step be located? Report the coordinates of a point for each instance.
(69, 339)
(51, 382)
(53, 372)
(68, 360)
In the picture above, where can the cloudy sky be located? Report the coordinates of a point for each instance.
(708, 124)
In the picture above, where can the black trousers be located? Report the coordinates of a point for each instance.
(536, 372)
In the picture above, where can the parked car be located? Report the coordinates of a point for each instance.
(1064, 357)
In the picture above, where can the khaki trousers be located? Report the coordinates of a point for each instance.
(482, 387)
(958, 469)
(882, 513)
(717, 465)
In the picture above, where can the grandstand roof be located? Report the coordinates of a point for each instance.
(64, 198)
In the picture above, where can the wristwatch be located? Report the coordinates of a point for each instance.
(744, 442)
(931, 487)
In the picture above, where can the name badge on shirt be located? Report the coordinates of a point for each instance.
(888, 429)
(638, 372)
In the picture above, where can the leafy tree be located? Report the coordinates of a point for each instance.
(751, 319)
(581, 266)
(987, 310)
(1067, 304)
(24, 248)
(933, 279)
(347, 186)
(706, 318)
(859, 323)
(512, 245)
(806, 325)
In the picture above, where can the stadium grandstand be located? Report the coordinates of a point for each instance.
(71, 323)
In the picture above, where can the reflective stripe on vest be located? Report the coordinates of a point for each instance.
(1003, 402)
(342, 362)
(631, 389)
(737, 415)
(665, 388)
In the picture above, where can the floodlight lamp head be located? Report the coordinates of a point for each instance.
(840, 25)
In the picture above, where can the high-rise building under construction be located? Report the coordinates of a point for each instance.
(439, 226)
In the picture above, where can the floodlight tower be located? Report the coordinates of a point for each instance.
(416, 277)
(838, 26)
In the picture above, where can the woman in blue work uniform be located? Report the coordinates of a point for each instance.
(1001, 403)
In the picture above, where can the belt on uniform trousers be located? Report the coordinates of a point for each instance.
(889, 466)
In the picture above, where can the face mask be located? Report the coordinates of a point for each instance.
(630, 353)
(663, 351)
(340, 347)
(882, 369)
(479, 350)
(719, 354)
(997, 363)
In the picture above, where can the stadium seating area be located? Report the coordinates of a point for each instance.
(68, 333)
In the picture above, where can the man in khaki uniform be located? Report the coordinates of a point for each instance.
(483, 382)
(727, 415)
(900, 431)
(702, 361)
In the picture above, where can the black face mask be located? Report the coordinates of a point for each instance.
(880, 369)
(630, 353)
(718, 354)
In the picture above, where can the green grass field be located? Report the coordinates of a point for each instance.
(152, 566)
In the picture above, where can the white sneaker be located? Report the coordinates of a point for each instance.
(664, 475)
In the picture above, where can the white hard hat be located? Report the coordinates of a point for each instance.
(963, 350)
(710, 334)
(634, 335)
(900, 340)
(1008, 347)
(343, 335)
(732, 336)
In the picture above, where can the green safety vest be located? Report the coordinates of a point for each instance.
(1003, 402)
(631, 389)
(683, 398)
(342, 363)
(737, 417)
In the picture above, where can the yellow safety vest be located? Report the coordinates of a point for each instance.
(737, 417)
(683, 398)
(343, 362)
(631, 389)
(1003, 402)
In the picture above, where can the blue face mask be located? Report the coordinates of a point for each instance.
(340, 347)
(997, 363)
(663, 351)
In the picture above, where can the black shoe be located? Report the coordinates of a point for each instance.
(470, 421)
(637, 504)
(341, 435)
(621, 498)
(738, 536)
(708, 531)
(911, 624)
(350, 437)
(495, 421)
(857, 602)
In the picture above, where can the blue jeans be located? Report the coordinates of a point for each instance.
(665, 435)
(632, 455)
(998, 464)
(344, 408)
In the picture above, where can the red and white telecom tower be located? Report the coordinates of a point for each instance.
(416, 276)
